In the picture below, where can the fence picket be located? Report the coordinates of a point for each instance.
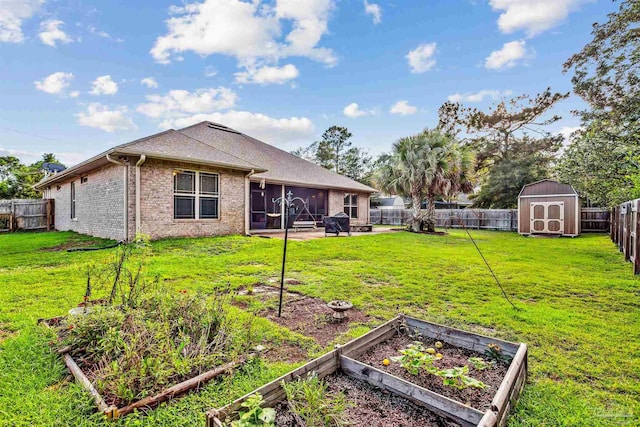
(27, 214)
(592, 219)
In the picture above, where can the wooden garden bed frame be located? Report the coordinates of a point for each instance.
(343, 359)
(150, 402)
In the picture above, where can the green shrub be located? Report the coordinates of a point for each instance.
(310, 400)
(150, 337)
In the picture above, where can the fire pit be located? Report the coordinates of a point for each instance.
(339, 307)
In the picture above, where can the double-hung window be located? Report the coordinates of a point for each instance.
(351, 205)
(196, 195)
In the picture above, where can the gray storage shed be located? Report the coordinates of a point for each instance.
(549, 207)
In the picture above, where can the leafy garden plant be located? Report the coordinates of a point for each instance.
(311, 403)
(254, 415)
(457, 377)
(494, 352)
(480, 364)
(416, 358)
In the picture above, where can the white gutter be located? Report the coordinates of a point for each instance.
(126, 193)
(247, 202)
(139, 163)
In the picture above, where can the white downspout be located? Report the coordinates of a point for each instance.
(247, 201)
(139, 163)
(126, 194)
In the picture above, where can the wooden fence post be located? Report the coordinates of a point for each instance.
(12, 215)
(611, 224)
(49, 212)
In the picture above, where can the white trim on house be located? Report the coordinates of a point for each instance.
(197, 195)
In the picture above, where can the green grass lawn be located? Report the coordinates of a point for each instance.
(578, 309)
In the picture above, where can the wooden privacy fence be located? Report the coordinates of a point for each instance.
(486, 219)
(592, 219)
(29, 214)
(595, 220)
(625, 227)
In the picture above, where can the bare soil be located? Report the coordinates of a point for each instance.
(286, 352)
(311, 317)
(74, 243)
(369, 406)
(453, 356)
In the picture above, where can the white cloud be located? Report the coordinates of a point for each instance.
(508, 56)
(104, 85)
(374, 10)
(566, 132)
(253, 32)
(50, 33)
(532, 16)
(210, 72)
(55, 83)
(421, 58)
(177, 104)
(74, 94)
(268, 75)
(68, 158)
(149, 82)
(403, 107)
(12, 14)
(277, 131)
(478, 96)
(108, 119)
(353, 110)
(100, 33)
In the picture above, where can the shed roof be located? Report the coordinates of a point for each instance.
(547, 187)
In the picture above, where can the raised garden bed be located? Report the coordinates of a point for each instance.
(343, 361)
(371, 406)
(453, 356)
(112, 411)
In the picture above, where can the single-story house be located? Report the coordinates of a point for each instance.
(203, 180)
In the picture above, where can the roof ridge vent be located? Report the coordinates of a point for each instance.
(223, 128)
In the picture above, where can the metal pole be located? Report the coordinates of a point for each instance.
(284, 257)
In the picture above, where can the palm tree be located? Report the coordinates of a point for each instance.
(424, 166)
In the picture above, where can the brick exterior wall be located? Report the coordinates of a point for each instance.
(156, 196)
(336, 205)
(99, 204)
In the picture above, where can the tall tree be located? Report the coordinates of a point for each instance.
(335, 152)
(601, 167)
(507, 153)
(17, 179)
(602, 160)
(424, 166)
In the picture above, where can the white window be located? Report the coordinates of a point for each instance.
(73, 200)
(196, 195)
(351, 205)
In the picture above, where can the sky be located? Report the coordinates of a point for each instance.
(78, 77)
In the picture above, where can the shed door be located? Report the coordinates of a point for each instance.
(547, 217)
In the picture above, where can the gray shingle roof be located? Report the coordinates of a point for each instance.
(175, 145)
(280, 165)
(214, 144)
